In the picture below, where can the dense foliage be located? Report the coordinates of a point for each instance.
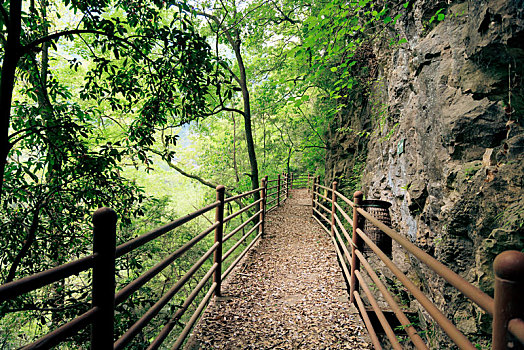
(99, 97)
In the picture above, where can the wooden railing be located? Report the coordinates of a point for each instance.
(507, 307)
(105, 252)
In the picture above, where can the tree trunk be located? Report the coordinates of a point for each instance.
(235, 42)
(7, 82)
(247, 115)
(235, 148)
(264, 141)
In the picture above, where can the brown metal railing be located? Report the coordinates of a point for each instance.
(507, 308)
(278, 190)
(301, 181)
(102, 263)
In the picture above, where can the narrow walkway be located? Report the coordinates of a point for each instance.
(289, 292)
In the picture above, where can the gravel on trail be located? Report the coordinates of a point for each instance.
(288, 293)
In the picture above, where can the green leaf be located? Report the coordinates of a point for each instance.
(334, 69)
(396, 18)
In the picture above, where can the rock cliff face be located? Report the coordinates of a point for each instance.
(448, 152)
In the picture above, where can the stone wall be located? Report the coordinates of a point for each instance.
(449, 152)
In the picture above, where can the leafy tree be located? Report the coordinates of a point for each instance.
(138, 66)
(225, 20)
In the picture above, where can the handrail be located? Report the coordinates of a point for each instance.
(247, 207)
(241, 226)
(367, 322)
(242, 195)
(38, 280)
(473, 293)
(324, 187)
(516, 327)
(437, 315)
(240, 256)
(60, 334)
(401, 316)
(132, 287)
(125, 248)
(155, 309)
(380, 315)
(178, 314)
(102, 261)
(240, 241)
(510, 321)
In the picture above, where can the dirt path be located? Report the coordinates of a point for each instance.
(288, 294)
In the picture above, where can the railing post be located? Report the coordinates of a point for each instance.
(291, 177)
(283, 182)
(358, 222)
(287, 185)
(313, 196)
(103, 297)
(262, 216)
(219, 232)
(333, 208)
(318, 191)
(278, 191)
(509, 284)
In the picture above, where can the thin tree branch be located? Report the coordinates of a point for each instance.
(233, 75)
(204, 216)
(29, 239)
(220, 25)
(32, 45)
(245, 15)
(285, 18)
(32, 130)
(311, 125)
(223, 108)
(191, 176)
(313, 146)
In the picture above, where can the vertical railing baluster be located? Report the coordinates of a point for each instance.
(262, 205)
(103, 297)
(333, 208)
(284, 184)
(313, 196)
(219, 232)
(509, 284)
(278, 191)
(287, 185)
(265, 199)
(358, 222)
(318, 192)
